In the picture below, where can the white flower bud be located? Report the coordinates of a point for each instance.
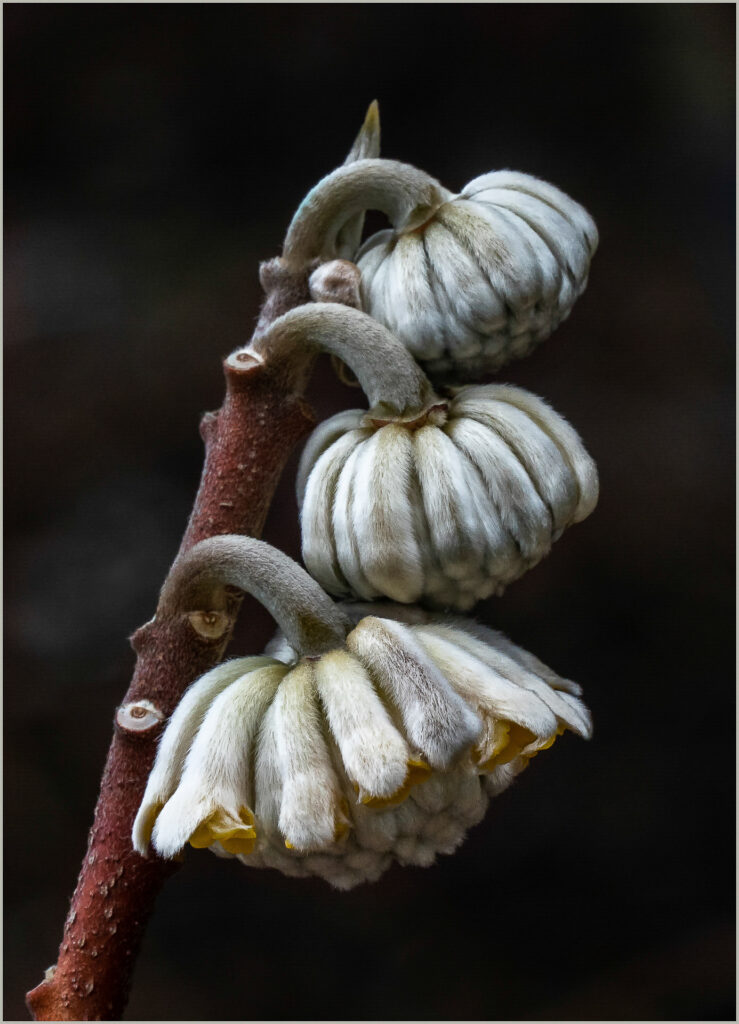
(385, 748)
(491, 274)
(446, 515)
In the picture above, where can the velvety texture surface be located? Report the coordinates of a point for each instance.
(153, 155)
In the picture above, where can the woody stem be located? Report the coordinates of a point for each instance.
(247, 443)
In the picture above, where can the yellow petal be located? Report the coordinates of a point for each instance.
(494, 742)
(236, 835)
(418, 771)
(515, 739)
(342, 821)
(549, 742)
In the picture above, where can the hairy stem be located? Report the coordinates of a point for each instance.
(198, 582)
(390, 378)
(406, 195)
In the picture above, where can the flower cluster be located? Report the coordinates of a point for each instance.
(374, 732)
(474, 498)
(384, 746)
(489, 276)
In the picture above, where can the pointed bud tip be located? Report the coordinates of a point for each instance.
(372, 118)
(367, 143)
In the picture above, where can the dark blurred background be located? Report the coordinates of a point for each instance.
(154, 153)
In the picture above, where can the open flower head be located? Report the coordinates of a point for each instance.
(385, 747)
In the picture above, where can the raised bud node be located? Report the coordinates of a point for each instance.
(243, 361)
(138, 716)
(336, 281)
(211, 625)
(273, 273)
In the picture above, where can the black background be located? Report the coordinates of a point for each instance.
(153, 155)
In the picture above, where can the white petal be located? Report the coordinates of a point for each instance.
(178, 737)
(550, 472)
(510, 490)
(311, 795)
(436, 720)
(462, 290)
(573, 211)
(502, 252)
(494, 638)
(382, 519)
(316, 518)
(410, 303)
(372, 253)
(347, 550)
(217, 767)
(569, 246)
(321, 439)
(374, 754)
(480, 682)
(459, 526)
(565, 437)
(268, 783)
(568, 709)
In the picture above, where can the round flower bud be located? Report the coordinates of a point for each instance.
(442, 513)
(383, 748)
(490, 274)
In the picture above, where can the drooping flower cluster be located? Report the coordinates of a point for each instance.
(334, 758)
(476, 496)
(372, 732)
(490, 275)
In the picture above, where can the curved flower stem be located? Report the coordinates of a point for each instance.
(197, 583)
(247, 443)
(393, 382)
(408, 197)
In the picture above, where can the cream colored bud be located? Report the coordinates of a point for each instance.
(489, 275)
(383, 749)
(446, 515)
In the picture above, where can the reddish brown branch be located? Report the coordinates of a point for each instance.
(247, 443)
